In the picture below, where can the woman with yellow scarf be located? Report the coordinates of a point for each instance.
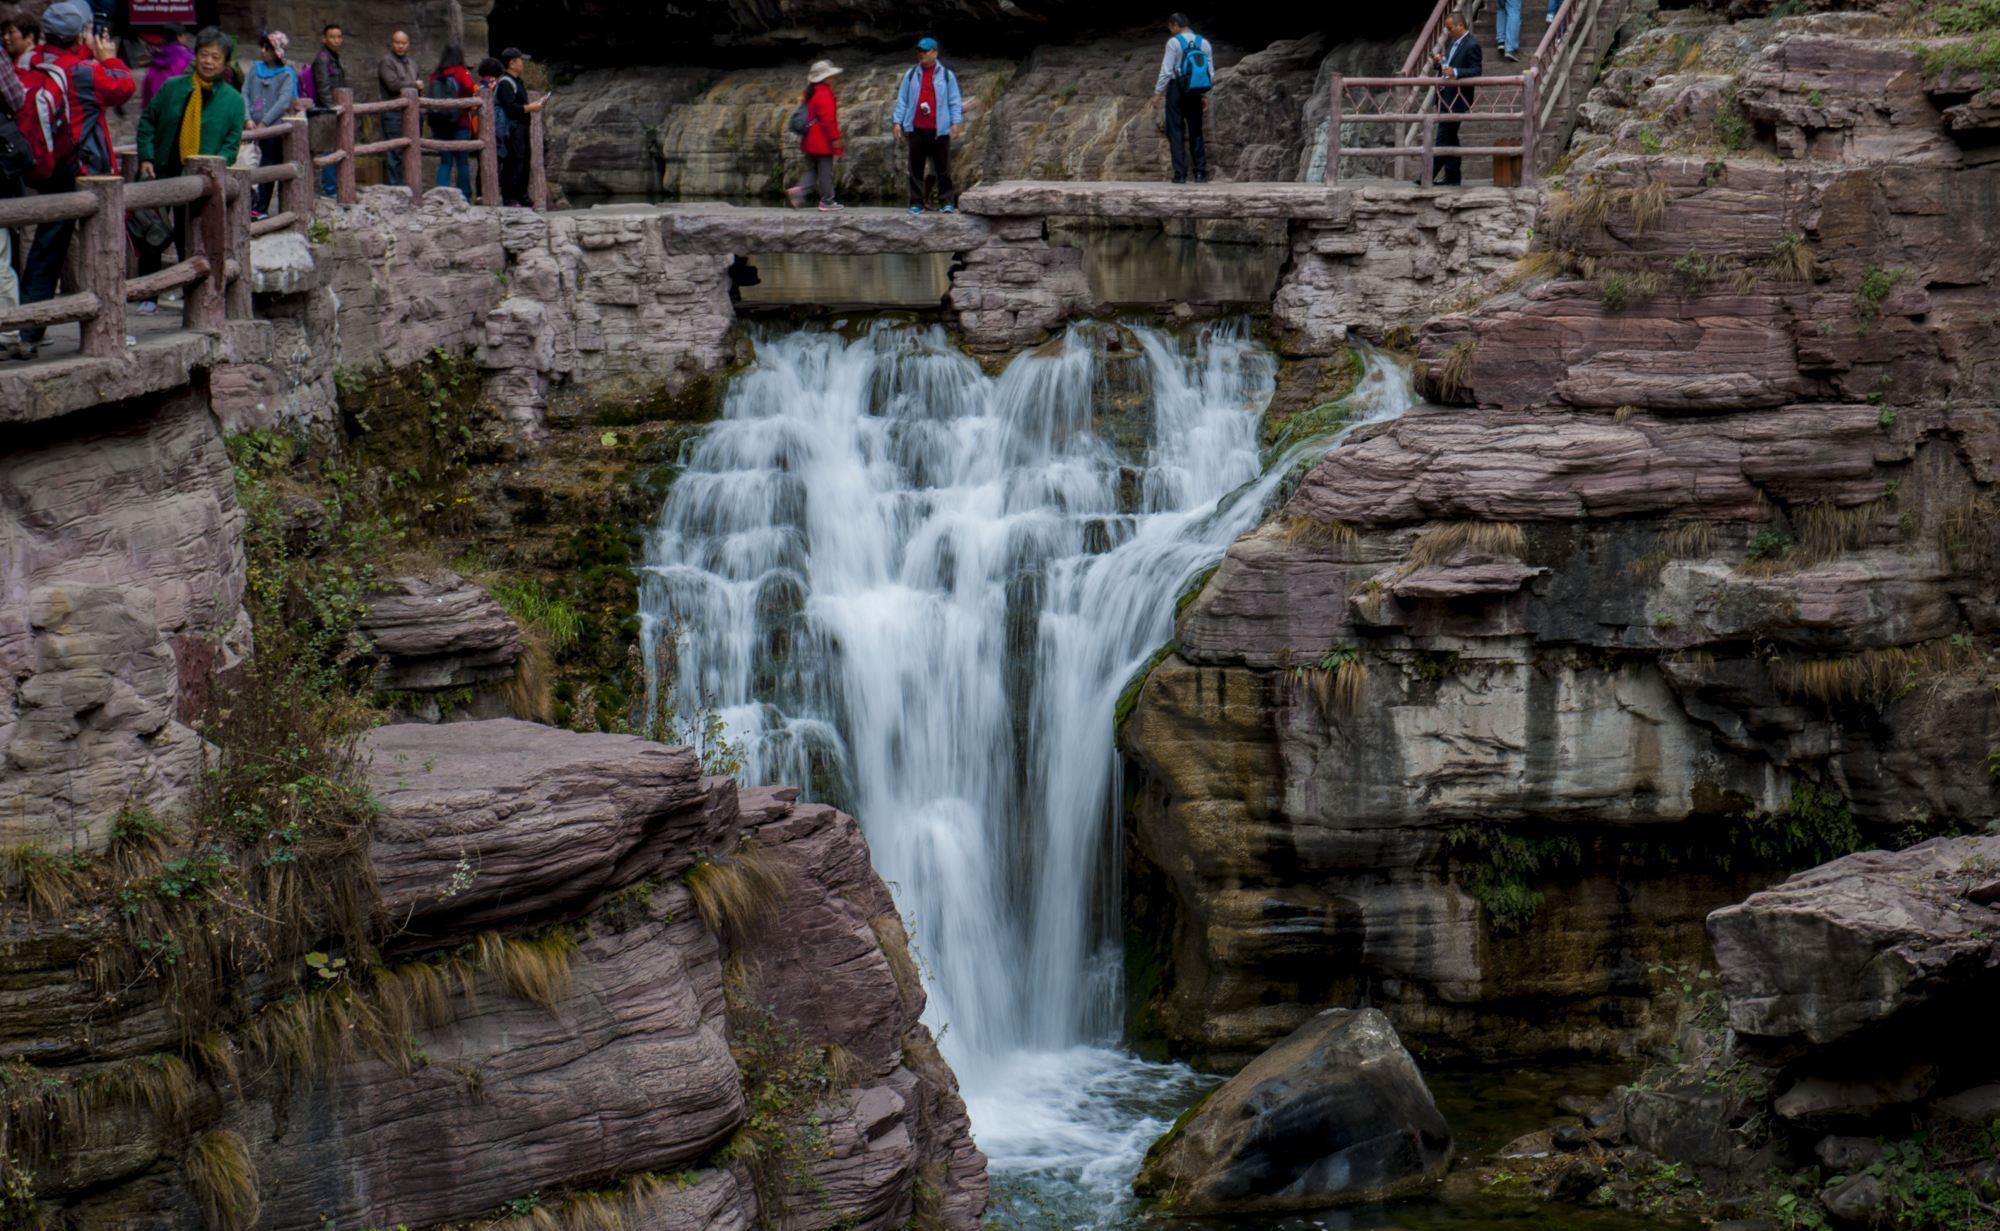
(198, 112)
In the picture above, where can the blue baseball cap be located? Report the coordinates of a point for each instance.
(926, 44)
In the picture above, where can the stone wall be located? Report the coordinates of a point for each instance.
(120, 597)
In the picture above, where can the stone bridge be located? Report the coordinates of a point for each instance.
(635, 301)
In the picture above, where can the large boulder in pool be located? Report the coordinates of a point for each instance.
(1334, 1114)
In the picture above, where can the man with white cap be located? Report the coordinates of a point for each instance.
(929, 109)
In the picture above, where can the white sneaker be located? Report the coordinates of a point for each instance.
(146, 307)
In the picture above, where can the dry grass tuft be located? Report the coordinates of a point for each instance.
(1647, 204)
(1439, 541)
(845, 1070)
(1534, 266)
(1455, 373)
(1792, 260)
(530, 692)
(895, 941)
(1877, 676)
(1691, 538)
(218, 1057)
(1968, 533)
(223, 1180)
(737, 896)
(536, 970)
(1624, 412)
(1826, 529)
(47, 882)
(1316, 532)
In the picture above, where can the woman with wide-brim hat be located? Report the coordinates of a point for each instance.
(821, 141)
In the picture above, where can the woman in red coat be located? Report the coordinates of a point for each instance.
(821, 143)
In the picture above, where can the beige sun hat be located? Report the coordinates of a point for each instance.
(821, 70)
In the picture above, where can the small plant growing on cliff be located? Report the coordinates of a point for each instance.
(1874, 288)
(1455, 373)
(1732, 127)
(1768, 544)
(1503, 868)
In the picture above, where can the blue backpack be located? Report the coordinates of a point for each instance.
(1196, 73)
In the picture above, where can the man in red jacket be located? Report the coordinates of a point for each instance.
(98, 81)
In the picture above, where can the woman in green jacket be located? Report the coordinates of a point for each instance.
(196, 113)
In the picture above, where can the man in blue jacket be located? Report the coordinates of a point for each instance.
(928, 111)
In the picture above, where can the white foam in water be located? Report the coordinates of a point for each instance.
(874, 562)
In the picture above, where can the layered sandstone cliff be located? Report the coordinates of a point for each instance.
(1683, 579)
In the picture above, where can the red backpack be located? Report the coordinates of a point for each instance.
(44, 120)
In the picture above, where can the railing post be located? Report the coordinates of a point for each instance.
(413, 153)
(1529, 154)
(207, 218)
(100, 261)
(297, 195)
(1430, 146)
(343, 100)
(236, 247)
(1332, 175)
(538, 180)
(489, 152)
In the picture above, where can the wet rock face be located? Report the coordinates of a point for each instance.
(1335, 1114)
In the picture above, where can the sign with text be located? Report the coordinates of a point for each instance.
(160, 12)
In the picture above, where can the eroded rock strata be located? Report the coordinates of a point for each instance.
(605, 971)
(1683, 580)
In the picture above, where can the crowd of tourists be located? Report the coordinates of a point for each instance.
(62, 76)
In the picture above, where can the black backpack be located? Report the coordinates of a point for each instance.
(801, 121)
(16, 158)
(445, 125)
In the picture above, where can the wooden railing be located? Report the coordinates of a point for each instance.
(412, 145)
(1539, 100)
(213, 269)
(1418, 129)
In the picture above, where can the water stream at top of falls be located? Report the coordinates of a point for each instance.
(918, 588)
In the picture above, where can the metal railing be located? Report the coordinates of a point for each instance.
(214, 261)
(1539, 100)
(412, 145)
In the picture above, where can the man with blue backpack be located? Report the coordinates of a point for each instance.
(928, 110)
(1186, 73)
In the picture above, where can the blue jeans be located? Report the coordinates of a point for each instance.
(392, 128)
(456, 165)
(1507, 25)
(44, 267)
(329, 184)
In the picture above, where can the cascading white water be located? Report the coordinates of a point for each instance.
(920, 589)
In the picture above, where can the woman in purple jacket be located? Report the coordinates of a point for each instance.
(169, 61)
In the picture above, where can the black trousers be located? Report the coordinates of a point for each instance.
(1447, 170)
(1184, 131)
(514, 171)
(927, 147)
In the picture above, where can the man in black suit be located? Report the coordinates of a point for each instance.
(1461, 57)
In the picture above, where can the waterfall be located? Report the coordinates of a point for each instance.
(918, 589)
